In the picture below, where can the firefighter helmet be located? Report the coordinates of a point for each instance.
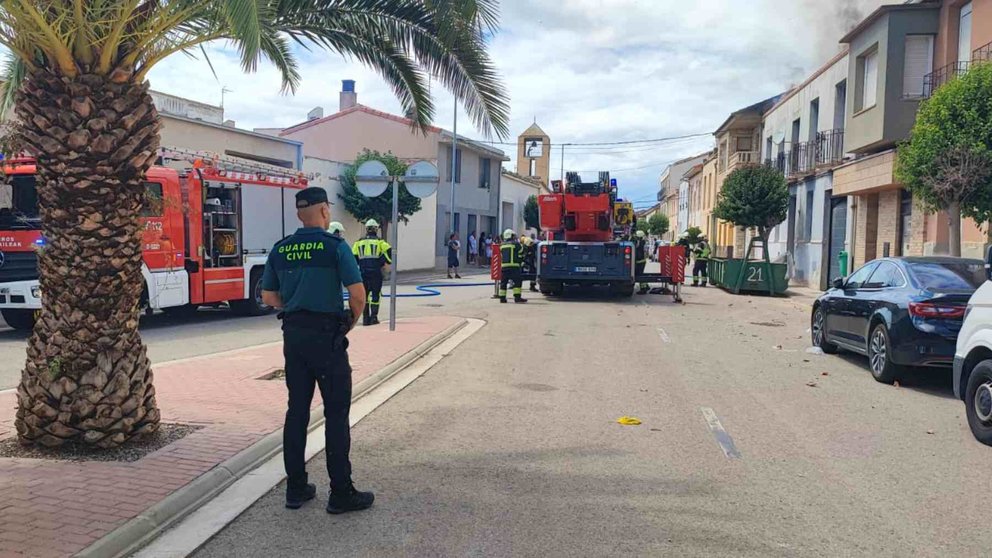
(640, 234)
(371, 224)
(335, 227)
(508, 234)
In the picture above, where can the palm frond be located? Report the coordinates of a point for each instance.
(14, 70)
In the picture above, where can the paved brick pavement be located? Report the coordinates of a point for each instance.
(52, 508)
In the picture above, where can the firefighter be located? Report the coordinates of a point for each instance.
(336, 228)
(701, 252)
(303, 277)
(374, 257)
(511, 258)
(641, 259)
(530, 260)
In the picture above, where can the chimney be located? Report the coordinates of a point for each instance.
(317, 112)
(348, 96)
(229, 124)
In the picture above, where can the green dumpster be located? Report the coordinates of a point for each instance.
(726, 273)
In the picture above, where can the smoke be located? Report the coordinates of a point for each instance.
(829, 20)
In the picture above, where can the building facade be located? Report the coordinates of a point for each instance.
(673, 194)
(515, 191)
(804, 139)
(340, 137)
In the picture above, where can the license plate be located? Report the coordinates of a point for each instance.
(585, 270)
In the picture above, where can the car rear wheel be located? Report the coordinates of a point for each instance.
(880, 356)
(252, 306)
(978, 402)
(819, 332)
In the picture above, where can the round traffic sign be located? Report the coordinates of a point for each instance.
(372, 178)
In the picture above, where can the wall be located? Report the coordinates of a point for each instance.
(470, 197)
(193, 134)
(516, 191)
(414, 249)
(342, 136)
(865, 128)
(900, 113)
(823, 86)
(178, 106)
(946, 46)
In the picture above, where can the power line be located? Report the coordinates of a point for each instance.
(607, 143)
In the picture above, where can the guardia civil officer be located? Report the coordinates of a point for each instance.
(511, 258)
(374, 257)
(303, 277)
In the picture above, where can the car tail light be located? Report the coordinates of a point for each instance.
(544, 254)
(931, 310)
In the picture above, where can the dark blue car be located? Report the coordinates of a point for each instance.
(898, 312)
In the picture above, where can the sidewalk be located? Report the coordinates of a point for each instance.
(58, 508)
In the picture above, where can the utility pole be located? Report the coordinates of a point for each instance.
(454, 150)
(562, 177)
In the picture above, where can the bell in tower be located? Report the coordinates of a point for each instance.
(534, 154)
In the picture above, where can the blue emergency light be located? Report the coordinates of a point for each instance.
(613, 182)
(40, 242)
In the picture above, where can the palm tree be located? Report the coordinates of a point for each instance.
(77, 80)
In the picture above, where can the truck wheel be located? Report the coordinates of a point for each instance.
(21, 320)
(978, 402)
(625, 290)
(253, 305)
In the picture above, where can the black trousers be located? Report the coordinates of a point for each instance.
(508, 274)
(311, 358)
(699, 272)
(639, 270)
(373, 286)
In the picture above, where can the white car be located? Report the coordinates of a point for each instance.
(973, 359)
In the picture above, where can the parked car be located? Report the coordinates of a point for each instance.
(898, 312)
(973, 360)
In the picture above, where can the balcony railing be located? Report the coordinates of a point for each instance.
(742, 158)
(934, 80)
(807, 158)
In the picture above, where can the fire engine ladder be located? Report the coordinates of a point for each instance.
(231, 164)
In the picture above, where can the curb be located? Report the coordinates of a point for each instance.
(159, 517)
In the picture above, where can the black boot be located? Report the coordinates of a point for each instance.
(295, 497)
(367, 316)
(519, 299)
(348, 501)
(375, 315)
(502, 300)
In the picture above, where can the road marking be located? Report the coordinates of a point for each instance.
(194, 530)
(11, 390)
(721, 435)
(664, 336)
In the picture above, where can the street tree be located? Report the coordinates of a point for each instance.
(380, 207)
(754, 196)
(77, 77)
(947, 162)
(658, 224)
(532, 214)
(642, 225)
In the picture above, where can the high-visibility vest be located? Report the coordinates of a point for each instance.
(511, 254)
(372, 253)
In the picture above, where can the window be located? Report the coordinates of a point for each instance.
(867, 73)
(918, 63)
(151, 205)
(967, 275)
(964, 34)
(458, 166)
(808, 218)
(485, 172)
(886, 275)
(840, 104)
(533, 168)
(768, 148)
(814, 118)
(860, 276)
(743, 143)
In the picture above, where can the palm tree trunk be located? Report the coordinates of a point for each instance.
(954, 228)
(87, 375)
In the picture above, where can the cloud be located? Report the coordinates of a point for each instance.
(587, 70)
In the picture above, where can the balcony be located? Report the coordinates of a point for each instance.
(809, 157)
(743, 158)
(934, 80)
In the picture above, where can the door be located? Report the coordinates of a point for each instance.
(838, 236)
(790, 223)
(868, 297)
(905, 222)
(840, 321)
(156, 242)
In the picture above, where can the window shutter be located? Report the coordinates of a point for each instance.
(918, 63)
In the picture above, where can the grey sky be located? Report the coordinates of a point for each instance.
(588, 70)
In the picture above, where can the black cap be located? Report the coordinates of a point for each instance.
(311, 196)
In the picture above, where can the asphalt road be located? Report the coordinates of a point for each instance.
(215, 330)
(511, 447)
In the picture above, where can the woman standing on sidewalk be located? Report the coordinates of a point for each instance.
(489, 249)
(473, 249)
(453, 248)
(480, 259)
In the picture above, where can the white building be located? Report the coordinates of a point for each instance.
(514, 191)
(804, 139)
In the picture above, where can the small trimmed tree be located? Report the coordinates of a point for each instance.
(532, 214)
(658, 224)
(947, 162)
(380, 207)
(754, 196)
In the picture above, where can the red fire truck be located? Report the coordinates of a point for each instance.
(209, 223)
